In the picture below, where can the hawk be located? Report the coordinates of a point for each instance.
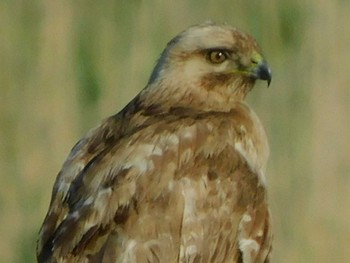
(178, 175)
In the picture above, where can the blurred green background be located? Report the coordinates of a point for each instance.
(65, 65)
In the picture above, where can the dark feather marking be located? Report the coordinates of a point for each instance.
(240, 256)
(121, 215)
(73, 197)
(114, 178)
(91, 235)
(105, 138)
(135, 105)
(212, 175)
(76, 148)
(46, 252)
(153, 110)
(53, 217)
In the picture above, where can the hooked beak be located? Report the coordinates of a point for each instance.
(261, 70)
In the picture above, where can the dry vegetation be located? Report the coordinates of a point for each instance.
(67, 64)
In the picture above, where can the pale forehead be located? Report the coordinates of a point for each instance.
(211, 36)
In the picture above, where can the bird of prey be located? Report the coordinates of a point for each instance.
(178, 175)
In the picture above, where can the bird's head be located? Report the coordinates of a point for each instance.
(211, 64)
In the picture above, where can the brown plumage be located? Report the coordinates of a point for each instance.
(179, 174)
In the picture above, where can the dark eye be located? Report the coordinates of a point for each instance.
(217, 56)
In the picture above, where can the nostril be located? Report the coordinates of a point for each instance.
(254, 61)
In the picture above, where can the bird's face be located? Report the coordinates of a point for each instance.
(219, 60)
(219, 51)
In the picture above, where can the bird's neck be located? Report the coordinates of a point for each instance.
(163, 101)
(200, 95)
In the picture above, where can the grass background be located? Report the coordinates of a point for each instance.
(65, 65)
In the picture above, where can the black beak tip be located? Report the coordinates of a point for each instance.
(264, 73)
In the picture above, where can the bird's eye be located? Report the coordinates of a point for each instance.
(217, 56)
